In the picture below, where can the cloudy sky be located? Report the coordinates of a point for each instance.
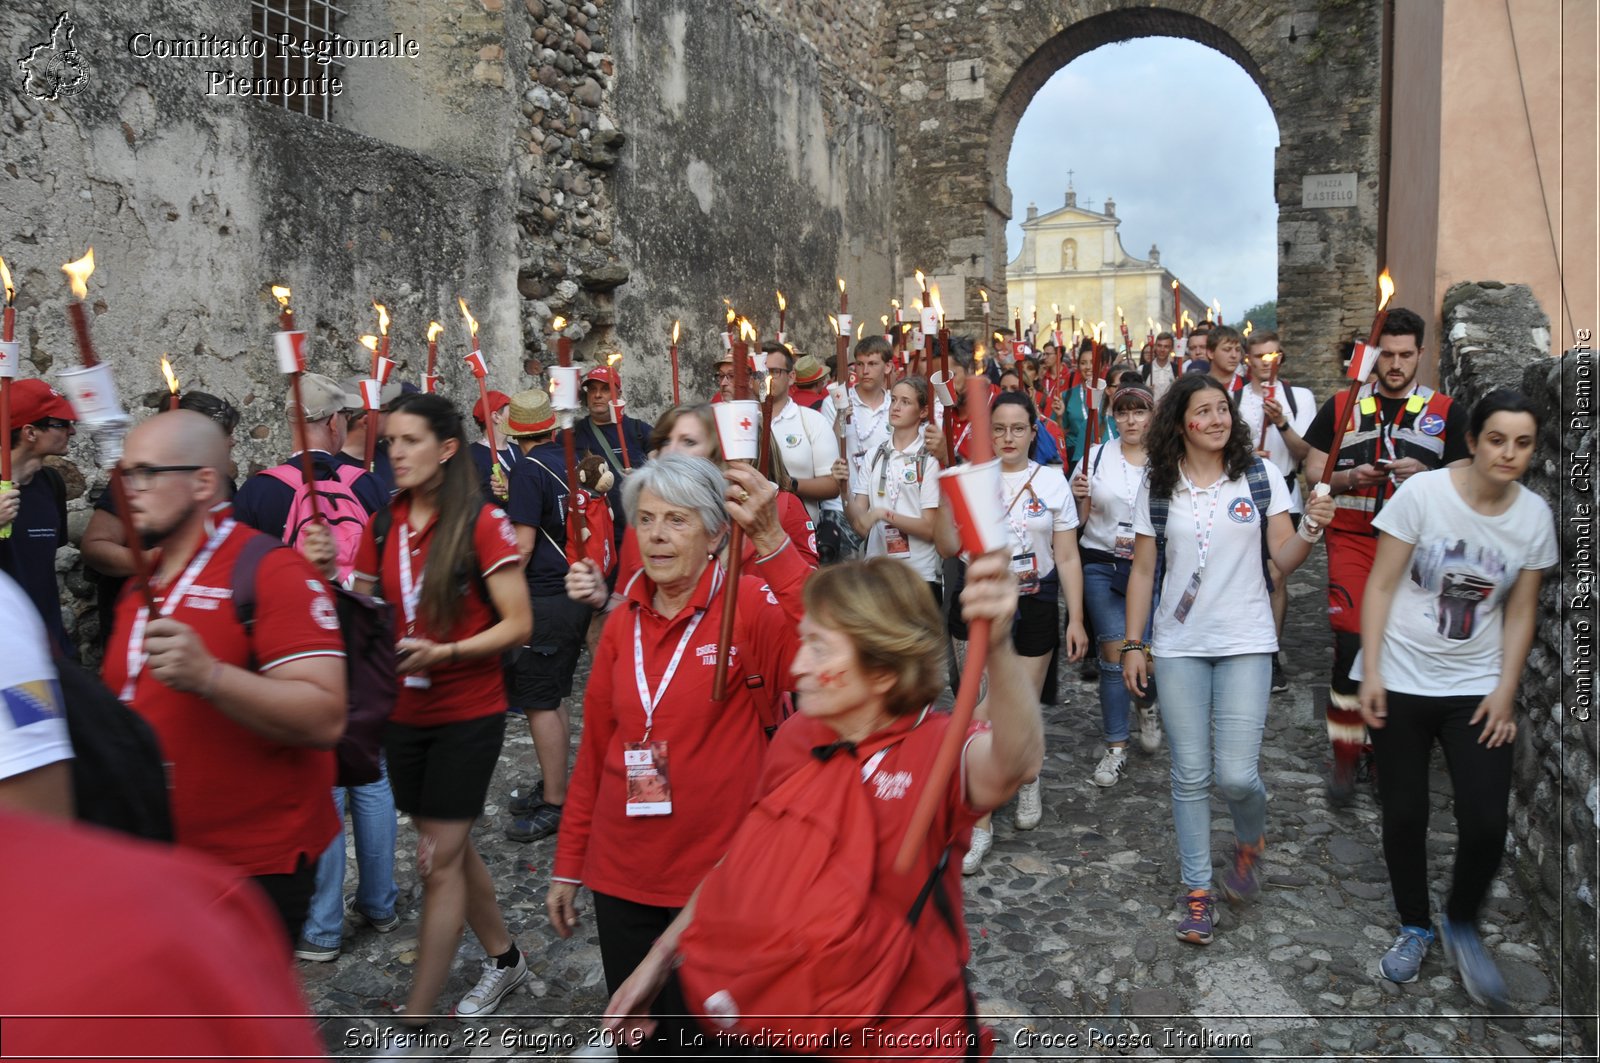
(1182, 139)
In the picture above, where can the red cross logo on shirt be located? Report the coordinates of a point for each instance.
(1242, 510)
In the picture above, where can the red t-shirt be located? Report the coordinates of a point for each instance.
(931, 999)
(792, 515)
(200, 968)
(465, 690)
(245, 799)
(714, 749)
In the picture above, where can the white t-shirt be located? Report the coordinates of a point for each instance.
(33, 726)
(864, 432)
(1252, 410)
(1041, 504)
(1444, 635)
(809, 447)
(1114, 486)
(1231, 613)
(1162, 377)
(907, 483)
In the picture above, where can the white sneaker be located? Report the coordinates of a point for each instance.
(1109, 770)
(1149, 727)
(982, 842)
(496, 982)
(1030, 806)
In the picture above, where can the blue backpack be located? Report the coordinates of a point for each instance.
(1260, 492)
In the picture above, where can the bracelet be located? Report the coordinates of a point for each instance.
(1310, 531)
(1135, 644)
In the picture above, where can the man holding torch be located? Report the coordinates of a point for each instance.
(1397, 429)
(35, 510)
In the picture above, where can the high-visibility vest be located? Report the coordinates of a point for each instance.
(1419, 433)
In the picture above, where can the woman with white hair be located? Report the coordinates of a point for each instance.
(639, 834)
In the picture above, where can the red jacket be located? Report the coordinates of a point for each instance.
(715, 750)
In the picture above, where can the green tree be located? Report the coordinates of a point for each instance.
(1264, 316)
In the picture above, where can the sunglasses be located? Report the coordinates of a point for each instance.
(47, 423)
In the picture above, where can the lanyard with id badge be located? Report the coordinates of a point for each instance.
(895, 542)
(410, 596)
(1026, 563)
(1202, 542)
(645, 762)
(169, 605)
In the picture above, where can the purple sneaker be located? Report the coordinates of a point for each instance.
(1201, 917)
(1239, 885)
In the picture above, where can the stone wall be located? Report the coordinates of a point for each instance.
(1497, 336)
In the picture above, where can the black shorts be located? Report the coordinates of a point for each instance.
(541, 672)
(443, 772)
(1036, 631)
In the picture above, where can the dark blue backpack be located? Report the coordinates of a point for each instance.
(1260, 493)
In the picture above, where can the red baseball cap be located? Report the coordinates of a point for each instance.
(602, 373)
(33, 400)
(498, 400)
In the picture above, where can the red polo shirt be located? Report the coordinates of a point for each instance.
(465, 690)
(247, 800)
(929, 1007)
(714, 749)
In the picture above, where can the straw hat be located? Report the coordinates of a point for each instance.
(530, 415)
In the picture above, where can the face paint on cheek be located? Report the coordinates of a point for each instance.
(1195, 426)
(827, 680)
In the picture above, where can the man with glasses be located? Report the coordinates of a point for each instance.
(803, 437)
(245, 716)
(36, 508)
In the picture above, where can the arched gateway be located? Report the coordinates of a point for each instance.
(964, 72)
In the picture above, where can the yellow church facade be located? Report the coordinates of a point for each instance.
(1073, 258)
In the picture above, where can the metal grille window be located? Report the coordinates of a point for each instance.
(298, 78)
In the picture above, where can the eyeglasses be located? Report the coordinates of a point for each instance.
(724, 378)
(51, 422)
(143, 477)
(1012, 429)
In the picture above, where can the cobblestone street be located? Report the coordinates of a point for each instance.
(1072, 923)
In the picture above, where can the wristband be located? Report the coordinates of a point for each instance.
(1310, 531)
(1135, 644)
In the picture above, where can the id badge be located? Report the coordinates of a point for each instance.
(1026, 566)
(895, 543)
(418, 681)
(649, 792)
(1123, 547)
(1186, 602)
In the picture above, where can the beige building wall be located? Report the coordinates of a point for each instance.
(1479, 127)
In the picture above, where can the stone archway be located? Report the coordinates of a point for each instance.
(963, 77)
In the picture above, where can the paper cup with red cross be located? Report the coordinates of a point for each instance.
(738, 428)
(942, 388)
(973, 492)
(564, 391)
(92, 392)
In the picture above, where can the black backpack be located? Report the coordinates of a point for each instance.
(367, 625)
(118, 778)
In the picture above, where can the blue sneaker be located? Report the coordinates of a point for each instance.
(1404, 959)
(1479, 976)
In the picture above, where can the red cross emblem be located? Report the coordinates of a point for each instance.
(745, 424)
(1242, 510)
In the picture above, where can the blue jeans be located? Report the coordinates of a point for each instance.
(372, 817)
(1214, 710)
(1108, 615)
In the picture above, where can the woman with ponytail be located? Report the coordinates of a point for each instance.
(448, 561)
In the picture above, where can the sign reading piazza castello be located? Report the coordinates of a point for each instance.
(1328, 190)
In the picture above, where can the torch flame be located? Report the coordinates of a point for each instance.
(383, 317)
(860, 325)
(885, 319)
(1072, 308)
(280, 293)
(1249, 326)
(5, 281)
(841, 285)
(472, 322)
(732, 317)
(1174, 284)
(1055, 308)
(783, 304)
(1385, 286)
(921, 281)
(1150, 323)
(1218, 308)
(1119, 313)
(916, 304)
(835, 323)
(983, 295)
(675, 326)
(1271, 356)
(614, 357)
(369, 342)
(1098, 328)
(434, 328)
(558, 323)
(747, 331)
(894, 304)
(933, 297)
(78, 273)
(166, 371)
(999, 337)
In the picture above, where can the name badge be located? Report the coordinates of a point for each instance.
(1123, 547)
(894, 541)
(1026, 566)
(649, 791)
(418, 682)
(1186, 602)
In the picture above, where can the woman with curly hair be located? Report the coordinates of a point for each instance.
(1211, 514)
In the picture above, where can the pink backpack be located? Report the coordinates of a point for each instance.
(336, 500)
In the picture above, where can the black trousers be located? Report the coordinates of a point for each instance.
(291, 895)
(627, 930)
(1481, 777)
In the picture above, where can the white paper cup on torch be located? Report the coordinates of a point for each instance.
(943, 389)
(10, 358)
(371, 394)
(92, 392)
(738, 428)
(846, 323)
(973, 492)
(839, 394)
(564, 393)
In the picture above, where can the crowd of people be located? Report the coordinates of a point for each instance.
(1156, 505)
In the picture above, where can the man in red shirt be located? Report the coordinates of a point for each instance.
(246, 718)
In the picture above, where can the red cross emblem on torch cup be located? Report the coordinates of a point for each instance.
(745, 424)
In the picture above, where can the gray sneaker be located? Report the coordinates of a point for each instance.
(496, 982)
(1403, 961)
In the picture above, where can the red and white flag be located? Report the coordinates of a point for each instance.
(385, 369)
(476, 363)
(291, 348)
(371, 394)
(1363, 360)
(973, 492)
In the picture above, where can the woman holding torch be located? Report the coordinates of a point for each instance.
(1215, 514)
